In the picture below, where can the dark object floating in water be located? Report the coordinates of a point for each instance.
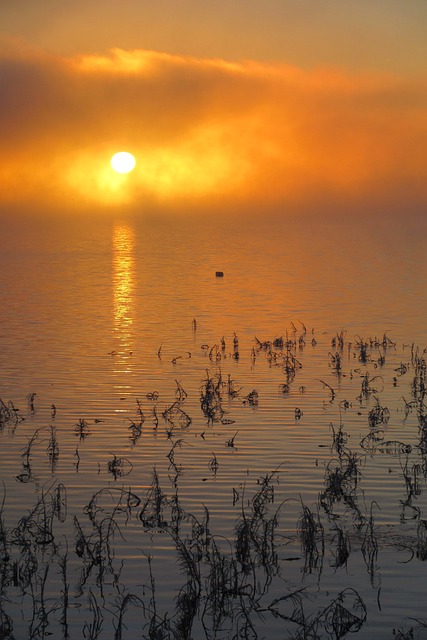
(219, 274)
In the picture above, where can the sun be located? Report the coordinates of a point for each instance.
(123, 162)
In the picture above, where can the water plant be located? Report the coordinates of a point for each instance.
(98, 568)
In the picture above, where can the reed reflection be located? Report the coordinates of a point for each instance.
(123, 289)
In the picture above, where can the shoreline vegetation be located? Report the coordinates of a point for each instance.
(94, 567)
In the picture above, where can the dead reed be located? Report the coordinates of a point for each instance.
(68, 568)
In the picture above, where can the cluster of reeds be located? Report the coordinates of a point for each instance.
(214, 389)
(225, 588)
(229, 587)
(281, 352)
(211, 391)
(9, 415)
(342, 478)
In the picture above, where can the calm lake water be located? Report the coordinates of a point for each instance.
(213, 457)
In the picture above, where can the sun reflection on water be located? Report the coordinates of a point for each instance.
(123, 291)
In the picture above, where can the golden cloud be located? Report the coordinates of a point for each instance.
(205, 131)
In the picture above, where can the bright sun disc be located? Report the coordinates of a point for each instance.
(123, 162)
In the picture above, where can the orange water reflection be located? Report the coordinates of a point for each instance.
(123, 290)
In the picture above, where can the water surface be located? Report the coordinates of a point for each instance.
(98, 313)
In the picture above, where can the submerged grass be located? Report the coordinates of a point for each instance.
(66, 569)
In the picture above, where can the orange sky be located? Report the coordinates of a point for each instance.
(206, 132)
(386, 35)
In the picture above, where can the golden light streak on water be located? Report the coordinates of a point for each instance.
(124, 281)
